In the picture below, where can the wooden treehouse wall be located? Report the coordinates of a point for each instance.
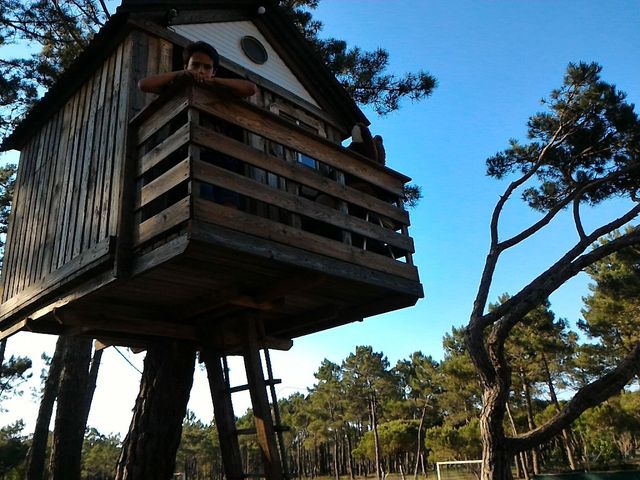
(96, 200)
(67, 201)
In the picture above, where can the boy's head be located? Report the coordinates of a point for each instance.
(200, 57)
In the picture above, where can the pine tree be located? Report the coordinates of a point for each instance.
(583, 150)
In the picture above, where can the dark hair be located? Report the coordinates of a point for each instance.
(202, 47)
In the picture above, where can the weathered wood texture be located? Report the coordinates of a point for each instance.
(197, 206)
(69, 185)
(236, 165)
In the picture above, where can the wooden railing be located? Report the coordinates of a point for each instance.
(202, 156)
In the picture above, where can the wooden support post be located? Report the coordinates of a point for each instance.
(223, 412)
(276, 410)
(261, 410)
(343, 207)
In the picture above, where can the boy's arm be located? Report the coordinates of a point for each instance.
(157, 83)
(239, 87)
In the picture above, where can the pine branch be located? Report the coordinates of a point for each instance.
(586, 397)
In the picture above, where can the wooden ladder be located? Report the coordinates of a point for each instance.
(268, 428)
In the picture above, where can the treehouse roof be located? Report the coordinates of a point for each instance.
(155, 17)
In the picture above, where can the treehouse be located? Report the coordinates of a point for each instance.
(195, 216)
(139, 217)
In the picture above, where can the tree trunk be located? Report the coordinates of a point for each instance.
(496, 457)
(336, 464)
(566, 433)
(91, 383)
(149, 449)
(521, 464)
(352, 474)
(36, 457)
(419, 449)
(376, 440)
(531, 422)
(70, 423)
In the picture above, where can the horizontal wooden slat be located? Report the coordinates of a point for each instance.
(97, 254)
(297, 173)
(223, 178)
(170, 217)
(164, 183)
(261, 227)
(86, 323)
(161, 117)
(242, 388)
(269, 126)
(163, 150)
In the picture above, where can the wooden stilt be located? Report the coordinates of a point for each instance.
(261, 410)
(267, 424)
(225, 418)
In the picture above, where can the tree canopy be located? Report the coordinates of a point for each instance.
(583, 150)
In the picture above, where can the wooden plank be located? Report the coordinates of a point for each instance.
(176, 175)
(85, 288)
(78, 192)
(296, 173)
(52, 166)
(223, 412)
(65, 204)
(71, 207)
(274, 128)
(114, 101)
(88, 175)
(221, 177)
(98, 157)
(35, 207)
(138, 59)
(84, 322)
(26, 186)
(54, 233)
(15, 328)
(263, 228)
(260, 404)
(14, 247)
(122, 203)
(52, 195)
(31, 224)
(163, 150)
(102, 150)
(162, 254)
(92, 146)
(168, 218)
(10, 249)
(160, 117)
(84, 262)
(221, 297)
(121, 168)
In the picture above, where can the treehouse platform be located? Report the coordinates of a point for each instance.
(224, 208)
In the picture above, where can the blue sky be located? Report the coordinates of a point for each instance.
(494, 61)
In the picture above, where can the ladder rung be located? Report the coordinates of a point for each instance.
(242, 388)
(239, 388)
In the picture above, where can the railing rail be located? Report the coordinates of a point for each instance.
(205, 157)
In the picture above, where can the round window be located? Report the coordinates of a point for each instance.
(253, 49)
